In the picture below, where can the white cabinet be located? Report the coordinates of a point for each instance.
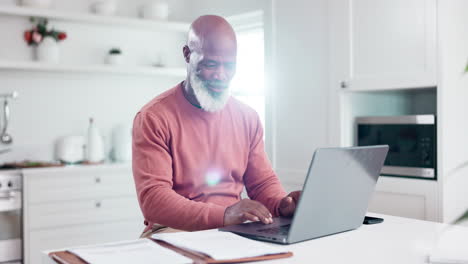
(382, 50)
(411, 198)
(78, 205)
(383, 44)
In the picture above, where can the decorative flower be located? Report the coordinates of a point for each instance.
(28, 36)
(35, 35)
(62, 35)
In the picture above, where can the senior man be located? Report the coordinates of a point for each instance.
(195, 147)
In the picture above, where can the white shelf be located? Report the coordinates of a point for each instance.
(106, 69)
(94, 19)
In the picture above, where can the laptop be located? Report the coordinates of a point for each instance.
(334, 199)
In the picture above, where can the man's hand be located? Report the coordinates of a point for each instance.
(245, 210)
(288, 204)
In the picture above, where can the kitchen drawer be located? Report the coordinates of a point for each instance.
(56, 238)
(57, 214)
(70, 185)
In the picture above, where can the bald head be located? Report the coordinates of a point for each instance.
(210, 53)
(212, 34)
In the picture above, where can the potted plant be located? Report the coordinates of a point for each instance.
(114, 56)
(44, 40)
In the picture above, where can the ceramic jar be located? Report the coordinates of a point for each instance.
(36, 3)
(122, 143)
(114, 59)
(155, 10)
(95, 144)
(104, 7)
(48, 50)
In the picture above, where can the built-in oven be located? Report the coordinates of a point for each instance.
(412, 141)
(10, 217)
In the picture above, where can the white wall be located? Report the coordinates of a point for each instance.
(301, 85)
(452, 96)
(296, 52)
(223, 8)
(56, 104)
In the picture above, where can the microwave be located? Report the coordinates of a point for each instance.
(412, 142)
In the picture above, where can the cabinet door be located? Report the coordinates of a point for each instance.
(383, 44)
(77, 184)
(57, 214)
(412, 198)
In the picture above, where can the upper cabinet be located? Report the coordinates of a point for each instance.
(383, 44)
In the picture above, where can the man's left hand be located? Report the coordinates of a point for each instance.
(288, 204)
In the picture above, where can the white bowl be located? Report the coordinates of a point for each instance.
(107, 7)
(37, 3)
(156, 10)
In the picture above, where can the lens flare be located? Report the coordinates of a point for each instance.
(212, 177)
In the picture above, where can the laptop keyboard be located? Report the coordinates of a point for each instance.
(277, 230)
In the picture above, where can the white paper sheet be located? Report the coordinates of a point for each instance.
(219, 245)
(141, 251)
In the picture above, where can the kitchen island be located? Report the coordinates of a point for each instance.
(396, 240)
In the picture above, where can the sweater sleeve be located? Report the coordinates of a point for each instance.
(152, 172)
(260, 180)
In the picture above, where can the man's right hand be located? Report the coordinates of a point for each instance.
(245, 210)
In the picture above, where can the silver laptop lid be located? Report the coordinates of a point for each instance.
(337, 190)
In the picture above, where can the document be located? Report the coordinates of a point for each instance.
(219, 245)
(141, 251)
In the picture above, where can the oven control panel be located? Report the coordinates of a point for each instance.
(10, 182)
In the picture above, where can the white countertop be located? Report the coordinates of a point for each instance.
(396, 240)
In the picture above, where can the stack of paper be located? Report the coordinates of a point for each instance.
(141, 251)
(219, 245)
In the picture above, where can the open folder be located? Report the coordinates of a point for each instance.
(210, 246)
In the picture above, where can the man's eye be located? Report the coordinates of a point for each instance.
(210, 65)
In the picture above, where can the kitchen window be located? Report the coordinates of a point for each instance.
(248, 83)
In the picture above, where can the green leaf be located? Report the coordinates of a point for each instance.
(462, 218)
(466, 68)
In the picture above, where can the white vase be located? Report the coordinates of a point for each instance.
(48, 51)
(155, 10)
(114, 59)
(37, 3)
(104, 7)
(95, 144)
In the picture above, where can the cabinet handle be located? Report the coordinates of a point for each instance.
(98, 204)
(343, 84)
(98, 180)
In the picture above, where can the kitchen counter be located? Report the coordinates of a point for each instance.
(68, 168)
(396, 240)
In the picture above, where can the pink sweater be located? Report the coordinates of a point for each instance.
(189, 165)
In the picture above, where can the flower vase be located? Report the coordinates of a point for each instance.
(48, 51)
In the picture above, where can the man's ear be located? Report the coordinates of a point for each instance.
(187, 52)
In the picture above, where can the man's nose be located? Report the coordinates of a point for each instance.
(221, 74)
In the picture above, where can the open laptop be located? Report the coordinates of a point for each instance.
(334, 199)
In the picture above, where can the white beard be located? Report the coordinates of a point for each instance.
(208, 101)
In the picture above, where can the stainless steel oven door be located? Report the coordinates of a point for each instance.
(10, 226)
